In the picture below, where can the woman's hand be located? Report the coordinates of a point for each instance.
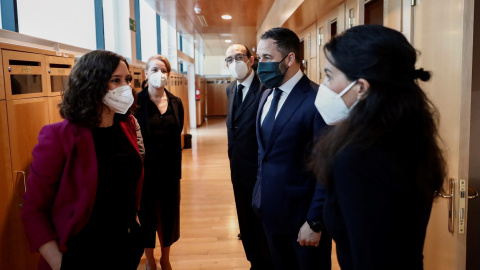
(51, 254)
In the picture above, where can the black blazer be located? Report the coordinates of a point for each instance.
(142, 116)
(242, 141)
(286, 193)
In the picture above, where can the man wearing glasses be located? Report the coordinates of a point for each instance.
(243, 98)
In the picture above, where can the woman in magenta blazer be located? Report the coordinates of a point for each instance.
(85, 181)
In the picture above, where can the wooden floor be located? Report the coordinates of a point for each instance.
(208, 222)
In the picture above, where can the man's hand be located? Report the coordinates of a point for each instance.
(307, 237)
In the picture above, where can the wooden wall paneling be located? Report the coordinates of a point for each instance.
(23, 65)
(58, 70)
(53, 110)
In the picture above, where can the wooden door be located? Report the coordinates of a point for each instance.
(24, 75)
(53, 110)
(443, 33)
(25, 119)
(6, 191)
(58, 70)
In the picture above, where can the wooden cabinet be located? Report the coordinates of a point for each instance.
(20, 121)
(25, 119)
(54, 110)
(58, 70)
(31, 81)
(24, 75)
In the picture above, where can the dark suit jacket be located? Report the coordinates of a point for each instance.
(242, 140)
(62, 184)
(286, 193)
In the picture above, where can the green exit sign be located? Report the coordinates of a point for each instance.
(133, 25)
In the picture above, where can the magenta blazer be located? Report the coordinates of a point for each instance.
(62, 184)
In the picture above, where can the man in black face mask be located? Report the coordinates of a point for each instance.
(287, 196)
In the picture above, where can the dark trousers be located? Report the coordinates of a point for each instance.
(287, 254)
(253, 238)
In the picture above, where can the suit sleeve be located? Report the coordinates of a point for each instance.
(315, 212)
(42, 185)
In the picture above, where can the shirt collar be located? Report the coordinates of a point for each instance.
(288, 85)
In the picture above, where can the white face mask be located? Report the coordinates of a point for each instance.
(158, 79)
(238, 69)
(331, 105)
(119, 99)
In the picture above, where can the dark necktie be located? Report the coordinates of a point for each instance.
(269, 120)
(237, 102)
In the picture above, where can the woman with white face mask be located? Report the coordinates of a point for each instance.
(380, 161)
(160, 116)
(85, 181)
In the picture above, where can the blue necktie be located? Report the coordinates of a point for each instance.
(269, 120)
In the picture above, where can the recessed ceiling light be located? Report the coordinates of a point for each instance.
(226, 17)
(228, 41)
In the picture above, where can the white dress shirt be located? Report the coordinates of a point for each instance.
(286, 89)
(246, 84)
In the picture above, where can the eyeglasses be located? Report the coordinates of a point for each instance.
(238, 57)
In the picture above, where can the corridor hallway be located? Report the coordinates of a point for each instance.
(208, 219)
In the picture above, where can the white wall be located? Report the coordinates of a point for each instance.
(215, 65)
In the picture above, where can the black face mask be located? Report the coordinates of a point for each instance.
(269, 73)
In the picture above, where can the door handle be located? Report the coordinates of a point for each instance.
(450, 197)
(25, 183)
(471, 190)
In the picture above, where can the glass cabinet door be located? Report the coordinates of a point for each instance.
(24, 74)
(58, 70)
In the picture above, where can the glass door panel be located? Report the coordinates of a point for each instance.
(24, 74)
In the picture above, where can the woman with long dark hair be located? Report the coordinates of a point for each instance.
(380, 161)
(85, 181)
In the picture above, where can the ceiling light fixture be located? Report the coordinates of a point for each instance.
(226, 17)
(228, 41)
(197, 10)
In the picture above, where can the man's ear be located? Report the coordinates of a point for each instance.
(362, 88)
(251, 60)
(291, 58)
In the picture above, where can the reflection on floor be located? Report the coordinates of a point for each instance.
(208, 222)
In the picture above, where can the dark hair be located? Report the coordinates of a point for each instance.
(159, 58)
(395, 113)
(87, 84)
(285, 39)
